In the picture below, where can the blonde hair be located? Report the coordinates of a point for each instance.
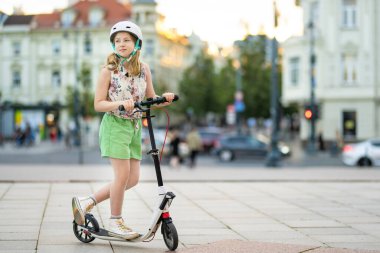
(113, 62)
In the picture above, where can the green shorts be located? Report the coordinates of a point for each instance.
(120, 138)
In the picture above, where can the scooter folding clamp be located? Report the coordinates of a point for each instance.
(153, 152)
(169, 196)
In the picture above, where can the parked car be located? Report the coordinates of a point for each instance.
(231, 147)
(210, 137)
(282, 146)
(365, 153)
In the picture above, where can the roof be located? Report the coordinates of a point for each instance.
(47, 20)
(114, 11)
(19, 20)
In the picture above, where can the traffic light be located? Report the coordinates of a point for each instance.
(308, 114)
(311, 112)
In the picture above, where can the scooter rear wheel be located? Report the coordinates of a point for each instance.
(90, 223)
(169, 232)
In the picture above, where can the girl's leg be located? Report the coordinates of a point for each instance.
(134, 175)
(121, 168)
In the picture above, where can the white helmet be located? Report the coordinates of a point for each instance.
(127, 26)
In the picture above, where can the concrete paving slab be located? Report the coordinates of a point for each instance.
(238, 246)
(19, 236)
(247, 212)
(17, 245)
(17, 251)
(336, 250)
(78, 247)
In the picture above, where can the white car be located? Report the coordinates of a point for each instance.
(366, 153)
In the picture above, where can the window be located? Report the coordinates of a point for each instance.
(349, 125)
(56, 47)
(16, 79)
(96, 16)
(294, 65)
(67, 18)
(149, 48)
(349, 69)
(87, 46)
(16, 48)
(349, 13)
(56, 78)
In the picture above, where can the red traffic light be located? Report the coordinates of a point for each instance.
(308, 114)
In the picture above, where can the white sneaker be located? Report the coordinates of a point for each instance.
(81, 206)
(117, 228)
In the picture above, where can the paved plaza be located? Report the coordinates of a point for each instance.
(216, 210)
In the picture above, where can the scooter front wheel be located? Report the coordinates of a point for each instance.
(169, 232)
(83, 235)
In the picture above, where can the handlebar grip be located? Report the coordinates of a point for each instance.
(158, 100)
(176, 97)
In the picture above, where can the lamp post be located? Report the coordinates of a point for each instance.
(311, 144)
(76, 100)
(239, 103)
(274, 155)
(1, 120)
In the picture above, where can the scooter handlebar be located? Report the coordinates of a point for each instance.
(150, 101)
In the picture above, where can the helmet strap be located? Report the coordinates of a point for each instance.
(135, 49)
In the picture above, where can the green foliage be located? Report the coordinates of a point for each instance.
(198, 86)
(204, 90)
(225, 86)
(86, 95)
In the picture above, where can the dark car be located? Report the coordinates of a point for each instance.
(233, 146)
(209, 137)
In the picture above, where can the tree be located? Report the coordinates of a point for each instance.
(225, 86)
(86, 95)
(256, 76)
(198, 87)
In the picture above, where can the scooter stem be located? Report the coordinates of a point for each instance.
(154, 148)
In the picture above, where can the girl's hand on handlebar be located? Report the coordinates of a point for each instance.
(169, 98)
(128, 104)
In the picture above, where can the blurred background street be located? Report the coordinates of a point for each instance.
(277, 125)
(57, 153)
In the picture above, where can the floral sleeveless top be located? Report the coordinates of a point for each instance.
(123, 87)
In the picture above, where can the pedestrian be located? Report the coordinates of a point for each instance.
(194, 142)
(123, 81)
(175, 158)
(321, 142)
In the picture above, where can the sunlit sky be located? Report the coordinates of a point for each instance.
(220, 22)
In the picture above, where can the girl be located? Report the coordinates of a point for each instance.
(123, 81)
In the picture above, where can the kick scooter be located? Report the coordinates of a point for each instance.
(90, 229)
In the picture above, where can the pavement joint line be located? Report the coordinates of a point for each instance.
(289, 202)
(259, 211)
(197, 205)
(311, 249)
(311, 210)
(6, 191)
(43, 216)
(341, 204)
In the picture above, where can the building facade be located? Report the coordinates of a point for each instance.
(42, 55)
(344, 37)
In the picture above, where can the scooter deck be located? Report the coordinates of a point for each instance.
(104, 234)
